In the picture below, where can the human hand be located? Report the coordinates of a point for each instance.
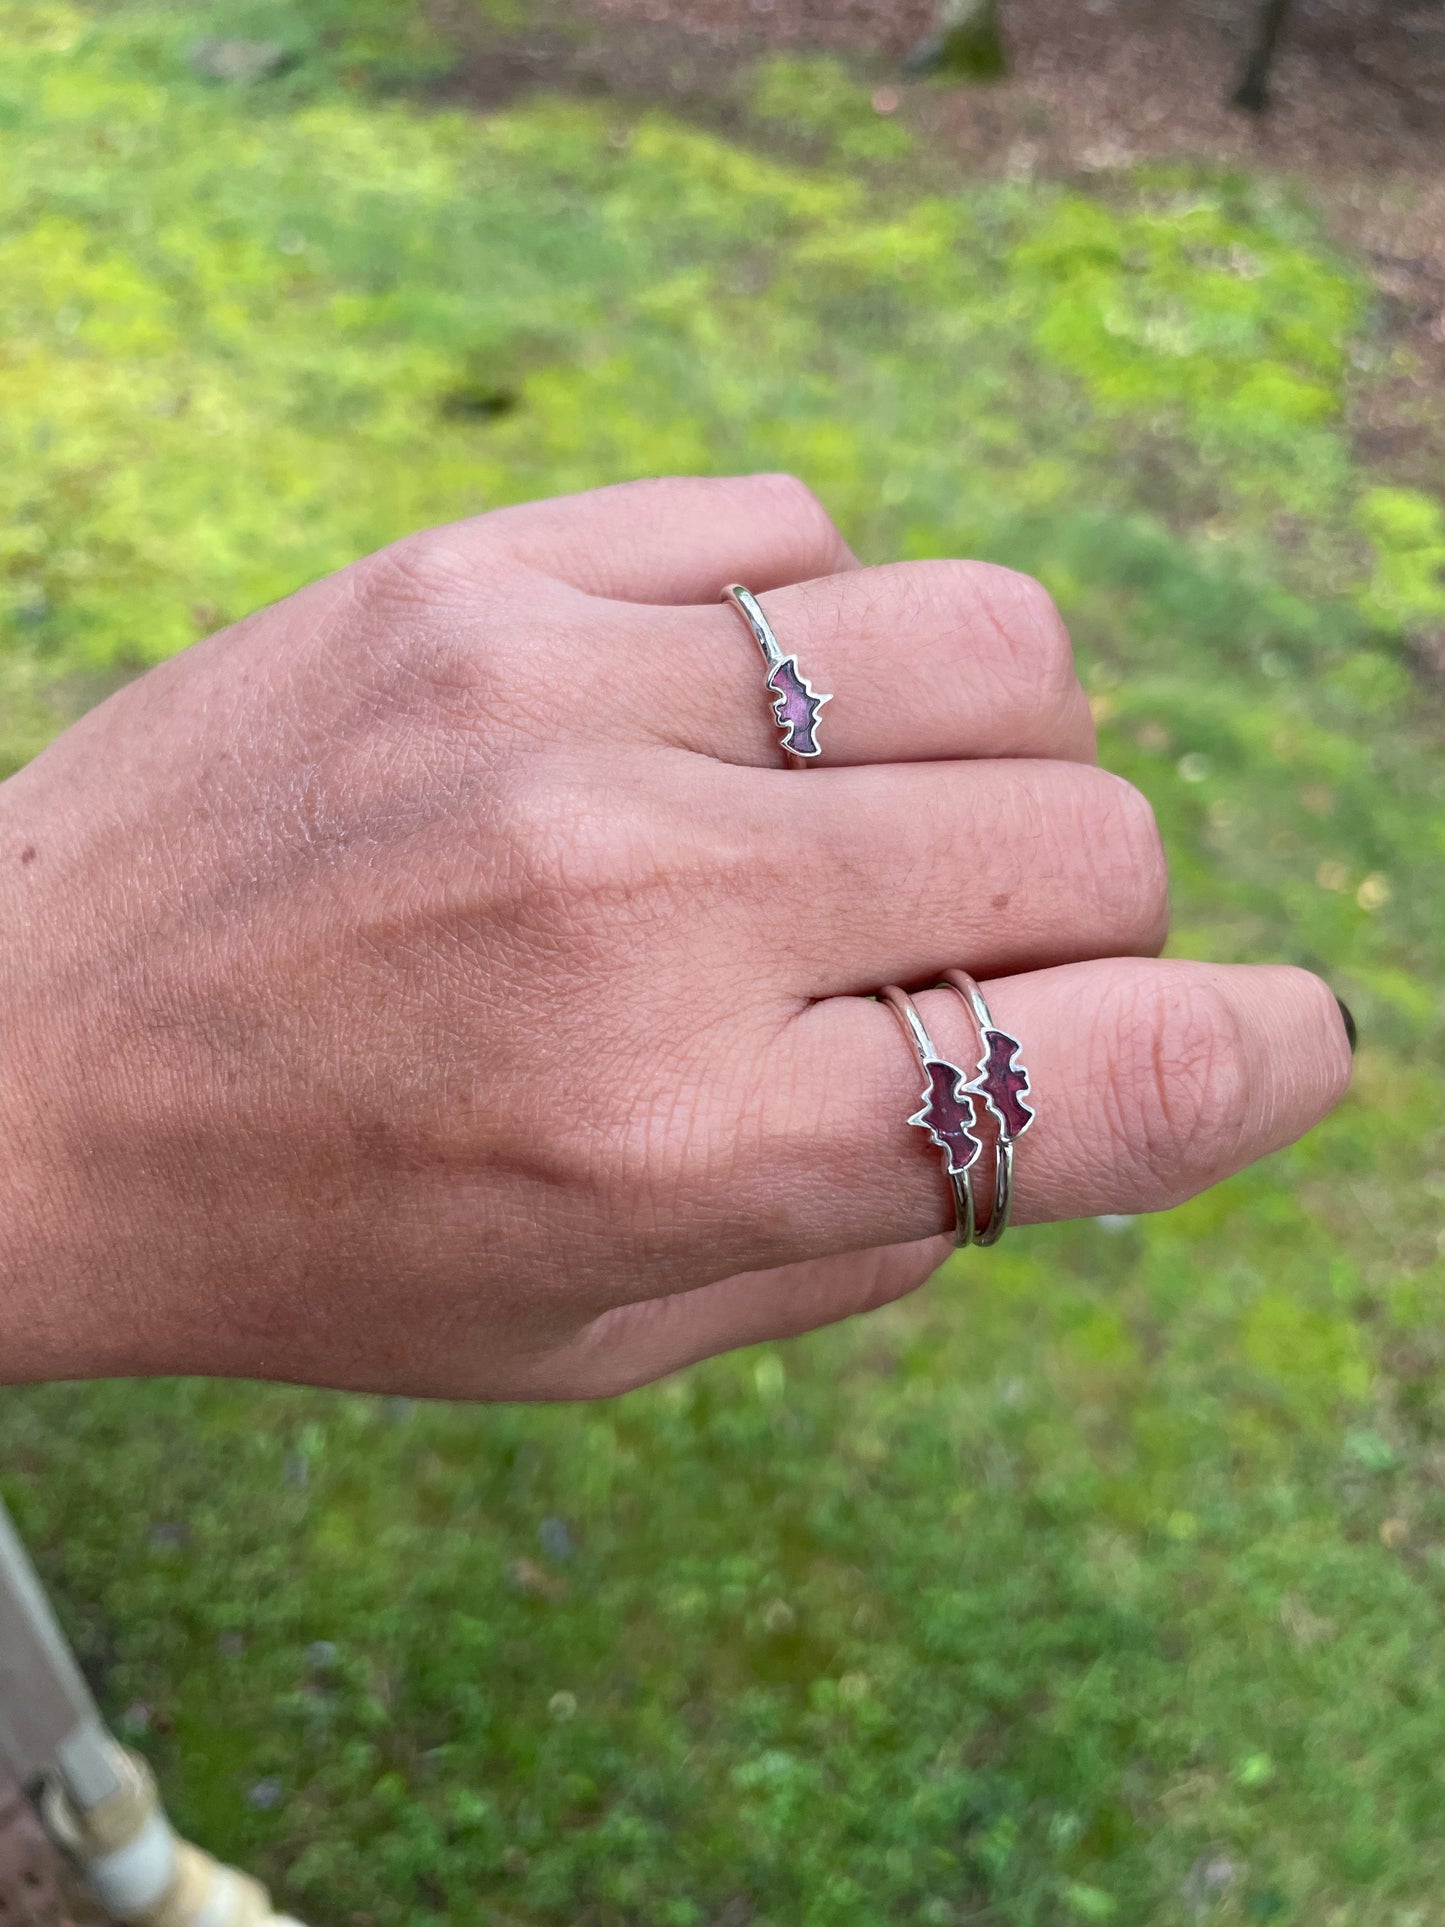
(435, 982)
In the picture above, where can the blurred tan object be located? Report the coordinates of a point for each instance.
(100, 1826)
(37, 1888)
(140, 1870)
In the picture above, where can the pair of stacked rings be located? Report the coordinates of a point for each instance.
(957, 1111)
(964, 1116)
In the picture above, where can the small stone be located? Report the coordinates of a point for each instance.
(137, 1717)
(169, 1535)
(238, 63)
(562, 1707)
(556, 1540)
(534, 1582)
(1305, 1627)
(1207, 1881)
(737, 1912)
(265, 1796)
(321, 1655)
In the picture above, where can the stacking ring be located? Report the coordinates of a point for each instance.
(950, 1107)
(795, 703)
(947, 1114)
(1002, 1082)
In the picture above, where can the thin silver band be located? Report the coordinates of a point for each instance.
(788, 687)
(752, 614)
(916, 1031)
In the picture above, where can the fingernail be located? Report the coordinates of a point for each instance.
(1349, 1017)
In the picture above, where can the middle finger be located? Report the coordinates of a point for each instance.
(923, 661)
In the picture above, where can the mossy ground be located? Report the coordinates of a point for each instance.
(1104, 1580)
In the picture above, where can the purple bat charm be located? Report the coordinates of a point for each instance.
(1002, 1082)
(796, 708)
(948, 1115)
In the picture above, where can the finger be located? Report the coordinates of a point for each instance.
(1150, 1081)
(679, 539)
(923, 661)
(872, 875)
(633, 1344)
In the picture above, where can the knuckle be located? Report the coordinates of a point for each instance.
(590, 865)
(639, 1153)
(791, 501)
(559, 848)
(1026, 620)
(609, 1157)
(425, 655)
(410, 572)
(436, 676)
(938, 593)
(1180, 1083)
(1130, 867)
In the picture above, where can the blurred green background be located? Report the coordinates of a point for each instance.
(1102, 1582)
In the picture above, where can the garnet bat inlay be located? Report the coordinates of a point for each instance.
(796, 708)
(948, 1115)
(1002, 1082)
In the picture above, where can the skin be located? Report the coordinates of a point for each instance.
(436, 983)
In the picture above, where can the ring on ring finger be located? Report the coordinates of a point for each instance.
(795, 702)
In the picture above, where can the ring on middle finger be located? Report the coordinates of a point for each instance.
(947, 1114)
(795, 702)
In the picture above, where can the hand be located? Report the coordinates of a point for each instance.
(435, 982)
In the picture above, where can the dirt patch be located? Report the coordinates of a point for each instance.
(578, 50)
(1358, 118)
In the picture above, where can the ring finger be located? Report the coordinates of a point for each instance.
(856, 877)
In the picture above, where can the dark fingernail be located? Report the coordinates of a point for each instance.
(1349, 1017)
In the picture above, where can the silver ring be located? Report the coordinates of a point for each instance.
(795, 702)
(948, 1113)
(1002, 1082)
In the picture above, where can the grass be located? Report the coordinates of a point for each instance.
(1103, 1581)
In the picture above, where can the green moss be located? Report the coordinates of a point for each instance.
(815, 100)
(1406, 530)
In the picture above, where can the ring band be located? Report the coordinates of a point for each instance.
(948, 1113)
(1002, 1082)
(795, 702)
